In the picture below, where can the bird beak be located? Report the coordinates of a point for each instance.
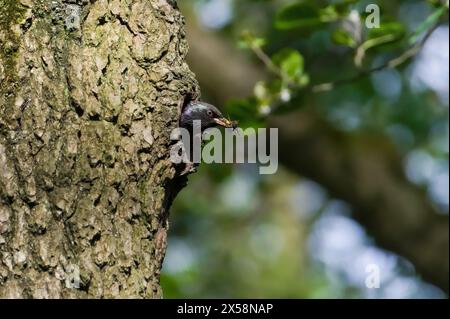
(223, 122)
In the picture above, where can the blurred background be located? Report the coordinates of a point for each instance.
(363, 177)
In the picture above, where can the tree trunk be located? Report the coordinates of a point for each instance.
(90, 91)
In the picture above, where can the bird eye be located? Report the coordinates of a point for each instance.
(209, 112)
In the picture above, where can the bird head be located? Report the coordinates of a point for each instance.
(208, 114)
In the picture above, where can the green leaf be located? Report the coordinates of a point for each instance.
(290, 62)
(427, 24)
(303, 14)
(439, 3)
(297, 15)
(248, 40)
(303, 80)
(259, 42)
(342, 37)
(275, 87)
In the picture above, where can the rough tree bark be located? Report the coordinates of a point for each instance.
(86, 111)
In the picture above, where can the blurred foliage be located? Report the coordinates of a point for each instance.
(345, 24)
(235, 233)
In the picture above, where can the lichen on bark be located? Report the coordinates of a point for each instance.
(11, 12)
(86, 113)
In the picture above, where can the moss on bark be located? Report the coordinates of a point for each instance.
(85, 177)
(11, 14)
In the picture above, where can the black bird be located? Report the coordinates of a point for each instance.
(208, 114)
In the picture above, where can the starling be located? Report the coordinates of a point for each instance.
(208, 114)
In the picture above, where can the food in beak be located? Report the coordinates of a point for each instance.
(224, 122)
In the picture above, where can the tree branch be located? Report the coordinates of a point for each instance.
(412, 51)
(390, 64)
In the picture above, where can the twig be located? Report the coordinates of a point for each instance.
(327, 86)
(271, 66)
(390, 64)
